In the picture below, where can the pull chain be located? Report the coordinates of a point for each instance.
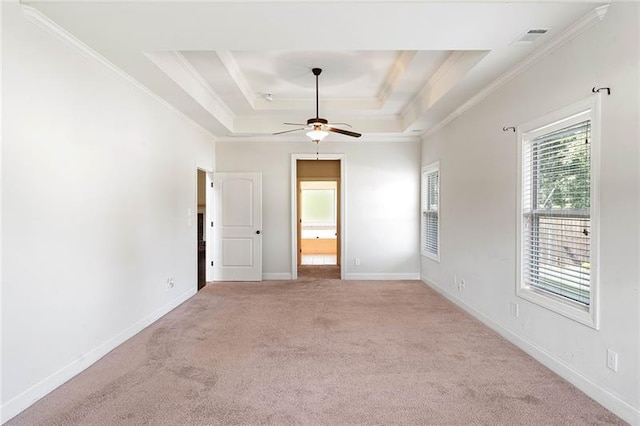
(317, 150)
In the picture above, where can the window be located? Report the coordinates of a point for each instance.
(556, 215)
(430, 211)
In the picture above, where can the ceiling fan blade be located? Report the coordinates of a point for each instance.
(343, 132)
(289, 131)
(294, 124)
(341, 124)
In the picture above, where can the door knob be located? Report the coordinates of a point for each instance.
(258, 232)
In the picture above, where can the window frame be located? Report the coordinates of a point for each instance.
(585, 109)
(424, 196)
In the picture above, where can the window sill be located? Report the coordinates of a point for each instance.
(434, 257)
(585, 316)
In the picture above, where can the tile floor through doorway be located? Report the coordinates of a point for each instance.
(319, 259)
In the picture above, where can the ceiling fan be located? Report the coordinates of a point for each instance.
(318, 127)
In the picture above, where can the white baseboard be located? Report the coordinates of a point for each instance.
(390, 277)
(19, 403)
(610, 401)
(276, 276)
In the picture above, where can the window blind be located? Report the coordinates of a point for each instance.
(556, 182)
(430, 212)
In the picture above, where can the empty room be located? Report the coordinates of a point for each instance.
(320, 212)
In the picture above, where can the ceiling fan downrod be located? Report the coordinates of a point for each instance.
(317, 120)
(316, 72)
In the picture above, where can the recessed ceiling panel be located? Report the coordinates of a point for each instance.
(287, 74)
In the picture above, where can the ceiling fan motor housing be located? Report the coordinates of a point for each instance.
(316, 120)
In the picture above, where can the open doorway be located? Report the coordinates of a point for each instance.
(201, 241)
(318, 222)
(318, 199)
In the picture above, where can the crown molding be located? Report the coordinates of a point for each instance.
(303, 139)
(395, 72)
(219, 106)
(233, 69)
(596, 15)
(180, 70)
(455, 68)
(439, 73)
(38, 18)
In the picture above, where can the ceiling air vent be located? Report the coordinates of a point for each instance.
(531, 36)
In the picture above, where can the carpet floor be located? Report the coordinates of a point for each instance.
(317, 351)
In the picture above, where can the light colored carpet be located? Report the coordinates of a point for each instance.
(331, 272)
(317, 351)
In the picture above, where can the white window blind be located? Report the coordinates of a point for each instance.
(556, 218)
(430, 213)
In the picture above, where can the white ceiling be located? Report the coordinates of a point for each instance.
(391, 70)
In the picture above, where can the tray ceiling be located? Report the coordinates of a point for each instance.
(241, 69)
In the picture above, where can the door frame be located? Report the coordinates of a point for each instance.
(294, 207)
(209, 230)
(208, 218)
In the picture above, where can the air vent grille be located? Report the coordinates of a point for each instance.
(531, 36)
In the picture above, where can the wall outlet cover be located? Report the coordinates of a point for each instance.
(612, 360)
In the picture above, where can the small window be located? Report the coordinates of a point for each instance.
(430, 211)
(556, 215)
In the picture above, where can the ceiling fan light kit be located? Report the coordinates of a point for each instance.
(319, 127)
(317, 134)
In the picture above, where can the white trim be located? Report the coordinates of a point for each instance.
(1, 221)
(413, 276)
(42, 21)
(234, 71)
(180, 70)
(453, 70)
(209, 230)
(296, 137)
(395, 72)
(588, 108)
(276, 276)
(22, 401)
(220, 108)
(606, 398)
(294, 207)
(594, 16)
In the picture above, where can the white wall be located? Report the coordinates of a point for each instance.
(382, 199)
(478, 210)
(97, 179)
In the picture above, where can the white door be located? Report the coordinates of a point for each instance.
(237, 227)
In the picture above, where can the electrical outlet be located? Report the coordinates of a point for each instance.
(170, 283)
(612, 360)
(514, 309)
(461, 285)
(356, 261)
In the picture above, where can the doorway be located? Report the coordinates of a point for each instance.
(201, 241)
(318, 222)
(317, 213)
